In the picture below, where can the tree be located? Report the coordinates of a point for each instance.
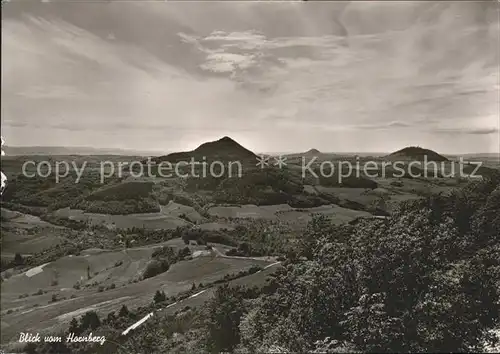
(124, 312)
(159, 297)
(111, 318)
(90, 320)
(74, 327)
(317, 228)
(224, 314)
(18, 259)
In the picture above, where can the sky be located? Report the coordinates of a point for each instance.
(288, 76)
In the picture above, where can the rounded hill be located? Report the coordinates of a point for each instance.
(224, 149)
(313, 151)
(417, 153)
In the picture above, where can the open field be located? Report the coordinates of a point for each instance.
(167, 218)
(36, 313)
(27, 234)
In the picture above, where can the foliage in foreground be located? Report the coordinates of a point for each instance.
(426, 280)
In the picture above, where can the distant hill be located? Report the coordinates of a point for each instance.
(70, 150)
(416, 153)
(309, 153)
(313, 152)
(224, 149)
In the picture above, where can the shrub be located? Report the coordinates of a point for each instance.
(397, 183)
(154, 268)
(184, 253)
(90, 320)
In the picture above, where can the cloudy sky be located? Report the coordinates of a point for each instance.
(288, 76)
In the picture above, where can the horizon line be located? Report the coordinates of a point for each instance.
(163, 152)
